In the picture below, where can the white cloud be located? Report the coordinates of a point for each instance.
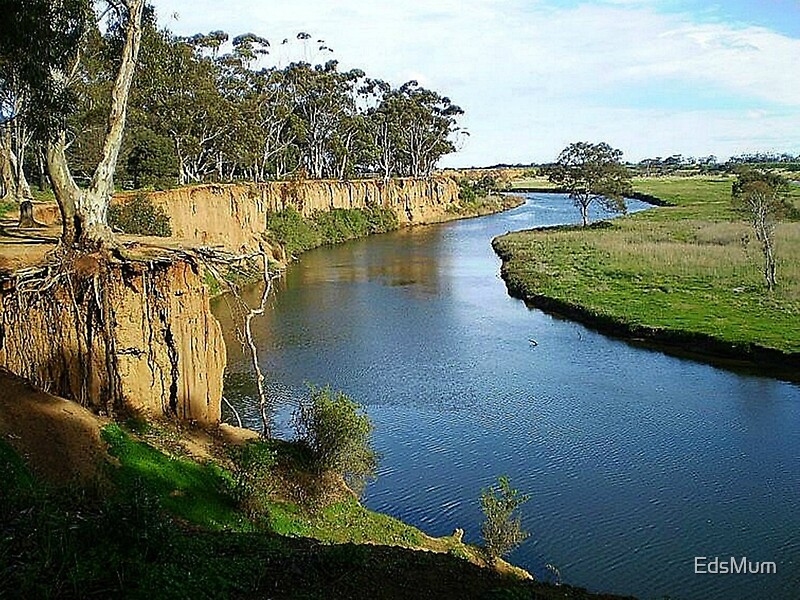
(533, 77)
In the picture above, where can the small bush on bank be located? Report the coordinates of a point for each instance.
(139, 216)
(5, 207)
(292, 231)
(472, 190)
(502, 527)
(252, 476)
(337, 434)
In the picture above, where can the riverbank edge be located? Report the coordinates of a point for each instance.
(502, 202)
(154, 455)
(747, 357)
(646, 198)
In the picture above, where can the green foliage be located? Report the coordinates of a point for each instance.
(151, 160)
(292, 231)
(75, 542)
(118, 541)
(5, 207)
(138, 215)
(471, 190)
(592, 173)
(762, 196)
(756, 191)
(466, 191)
(210, 281)
(297, 234)
(337, 433)
(502, 527)
(252, 480)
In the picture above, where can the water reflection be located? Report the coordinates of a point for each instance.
(636, 461)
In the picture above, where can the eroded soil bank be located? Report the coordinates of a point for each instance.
(116, 336)
(139, 334)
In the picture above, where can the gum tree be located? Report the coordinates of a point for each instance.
(762, 196)
(592, 173)
(51, 69)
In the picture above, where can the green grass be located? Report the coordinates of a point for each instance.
(188, 489)
(5, 208)
(682, 267)
(196, 493)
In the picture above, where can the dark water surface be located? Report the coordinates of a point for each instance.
(636, 462)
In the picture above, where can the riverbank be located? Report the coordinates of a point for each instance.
(147, 509)
(677, 277)
(296, 233)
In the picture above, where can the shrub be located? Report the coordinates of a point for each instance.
(337, 434)
(139, 216)
(296, 234)
(466, 191)
(381, 219)
(252, 477)
(502, 527)
(291, 230)
(4, 208)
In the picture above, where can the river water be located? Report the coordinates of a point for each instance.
(636, 462)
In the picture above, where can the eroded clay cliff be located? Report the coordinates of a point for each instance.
(114, 336)
(140, 334)
(234, 215)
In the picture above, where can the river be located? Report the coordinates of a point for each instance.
(636, 462)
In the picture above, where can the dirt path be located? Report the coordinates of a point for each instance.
(59, 439)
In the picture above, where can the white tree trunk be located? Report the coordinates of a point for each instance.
(85, 212)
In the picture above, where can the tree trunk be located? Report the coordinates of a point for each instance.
(584, 212)
(42, 169)
(26, 214)
(7, 186)
(13, 183)
(84, 212)
(66, 191)
(769, 263)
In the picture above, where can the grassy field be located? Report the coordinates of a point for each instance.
(531, 183)
(693, 267)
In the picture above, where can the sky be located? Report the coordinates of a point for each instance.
(650, 77)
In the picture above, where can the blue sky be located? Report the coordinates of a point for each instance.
(651, 77)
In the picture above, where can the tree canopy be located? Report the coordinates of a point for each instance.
(592, 173)
(55, 53)
(211, 106)
(762, 196)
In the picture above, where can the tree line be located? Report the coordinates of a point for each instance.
(205, 108)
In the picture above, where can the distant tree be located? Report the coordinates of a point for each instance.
(420, 124)
(151, 160)
(762, 196)
(14, 133)
(592, 172)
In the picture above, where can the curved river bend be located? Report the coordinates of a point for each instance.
(636, 462)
